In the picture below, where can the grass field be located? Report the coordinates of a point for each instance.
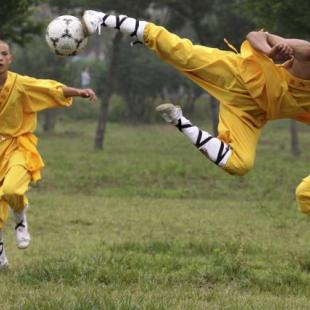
(149, 223)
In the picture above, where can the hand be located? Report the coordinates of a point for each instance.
(87, 93)
(281, 52)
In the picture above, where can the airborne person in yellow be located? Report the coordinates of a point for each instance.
(251, 87)
(21, 97)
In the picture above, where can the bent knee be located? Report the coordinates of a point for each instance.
(303, 197)
(239, 167)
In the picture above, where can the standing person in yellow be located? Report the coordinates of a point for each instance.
(251, 88)
(21, 97)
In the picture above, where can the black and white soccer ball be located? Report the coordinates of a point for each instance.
(65, 35)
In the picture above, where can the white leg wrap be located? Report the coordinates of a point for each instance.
(128, 25)
(216, 150)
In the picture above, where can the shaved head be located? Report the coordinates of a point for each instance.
(5, 43)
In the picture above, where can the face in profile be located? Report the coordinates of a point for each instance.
(5, 57)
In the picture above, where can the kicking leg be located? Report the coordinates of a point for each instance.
(215, 70)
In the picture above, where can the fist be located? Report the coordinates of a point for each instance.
(281, 52)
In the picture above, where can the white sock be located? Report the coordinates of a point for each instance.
(215, 149)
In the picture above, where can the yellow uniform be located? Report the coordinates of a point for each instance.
(249, 86)
(20, 162)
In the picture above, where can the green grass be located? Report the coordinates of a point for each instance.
(149, 223)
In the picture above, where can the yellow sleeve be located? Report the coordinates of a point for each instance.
(41, 94)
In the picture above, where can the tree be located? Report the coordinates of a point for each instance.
(285, 17)
(17, 24)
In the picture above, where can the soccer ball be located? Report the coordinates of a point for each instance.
(65, 35)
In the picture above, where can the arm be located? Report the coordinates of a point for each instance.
(275, 47)
(46, 94)
(279, 48)
(258, 40)
(301, 48)
(78, 92)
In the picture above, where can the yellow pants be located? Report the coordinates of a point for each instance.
(12, 190)
(246, 101)
(242, 136)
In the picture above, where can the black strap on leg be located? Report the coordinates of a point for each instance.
(20, 224)
(222, 153)
(180, 126)
(135, 32)
(104, 19)
(119, 22)
(200, 143)
(1, 247)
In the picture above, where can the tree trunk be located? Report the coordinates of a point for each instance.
(294, 138)
(109, 90)
(49, 121)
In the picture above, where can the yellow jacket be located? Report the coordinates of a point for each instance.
(20, 99)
